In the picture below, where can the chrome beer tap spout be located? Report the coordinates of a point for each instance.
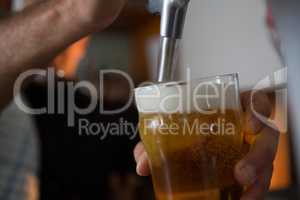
(173, 14)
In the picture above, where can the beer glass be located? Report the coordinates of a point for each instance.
(192, 132)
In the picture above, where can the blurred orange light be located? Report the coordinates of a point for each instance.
(69, 60)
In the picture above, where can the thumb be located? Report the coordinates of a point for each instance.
(260, 157)
(252, 102)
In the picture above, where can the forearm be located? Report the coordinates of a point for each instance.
(33, 37)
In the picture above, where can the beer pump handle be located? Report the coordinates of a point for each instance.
(173, 14)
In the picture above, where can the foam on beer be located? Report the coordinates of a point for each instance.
(182, 97)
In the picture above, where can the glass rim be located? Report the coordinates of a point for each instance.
(235, 76)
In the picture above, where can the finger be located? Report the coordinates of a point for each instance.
(260, 103)
(261, 187)
(138, 151)
(141, 159)
(261, 155)
(142, 167)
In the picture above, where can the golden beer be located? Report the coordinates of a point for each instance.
(193, 143)
(195, 161)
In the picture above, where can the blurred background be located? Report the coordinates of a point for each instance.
(54, 162)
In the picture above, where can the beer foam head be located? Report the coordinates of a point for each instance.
(186, 97)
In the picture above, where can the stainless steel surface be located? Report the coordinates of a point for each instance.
(172, 23)
(167, 58)
(287, 17)
(173, 18)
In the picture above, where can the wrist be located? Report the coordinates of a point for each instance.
(93, 15)
(71, 14)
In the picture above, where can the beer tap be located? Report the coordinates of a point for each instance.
(173, 14)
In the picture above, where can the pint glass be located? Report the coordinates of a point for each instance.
(192, 132)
